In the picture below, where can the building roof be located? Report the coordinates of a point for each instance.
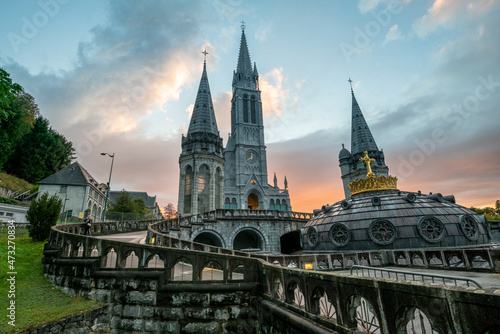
(150, 201)
(74, 174)
(361, 136)
(394, 219)
(203, 118)
(245, 75)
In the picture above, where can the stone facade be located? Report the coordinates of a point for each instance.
(253, 294)
(201, 164)
(246, 179)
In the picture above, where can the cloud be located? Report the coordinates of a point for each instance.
(366, 6)
(273, 94)
(446, 14)
(393, 34)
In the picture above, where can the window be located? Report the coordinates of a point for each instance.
(245, 108)
(252, 109)
(63, 189)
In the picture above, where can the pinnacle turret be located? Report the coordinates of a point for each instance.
(361, 136)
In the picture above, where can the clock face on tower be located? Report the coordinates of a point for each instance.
(251, 157)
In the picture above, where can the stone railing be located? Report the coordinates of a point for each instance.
(221, 214)
(150, 286)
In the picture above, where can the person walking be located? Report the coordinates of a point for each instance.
(88, 225)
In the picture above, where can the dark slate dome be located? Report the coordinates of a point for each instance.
(344, 153)
(392, 219)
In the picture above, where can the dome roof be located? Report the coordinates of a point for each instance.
(392, 219)
(344, 153)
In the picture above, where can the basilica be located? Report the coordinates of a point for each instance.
(232, 177)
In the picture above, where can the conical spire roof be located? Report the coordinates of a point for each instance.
(244, 64)
(361, 136)
(203, 118)
(245, 75)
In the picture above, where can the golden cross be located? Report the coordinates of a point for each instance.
(366, 159)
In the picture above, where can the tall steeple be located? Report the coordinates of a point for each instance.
(201, 181)
(245, 176)
(361, 136)
(245, 75)
(203, 118)
(361, 140)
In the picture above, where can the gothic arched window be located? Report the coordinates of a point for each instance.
(218, 188)
(245, 108)
(253, 107)
(188, 189)
(204, 189)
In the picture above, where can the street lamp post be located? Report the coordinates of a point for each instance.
(109, 182)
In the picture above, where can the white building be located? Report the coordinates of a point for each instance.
(80, 192)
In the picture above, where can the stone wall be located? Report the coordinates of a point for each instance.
(242, 294)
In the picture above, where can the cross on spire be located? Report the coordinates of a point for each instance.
(243, 26)
(350, 83)
(205, 53)
(366, 159)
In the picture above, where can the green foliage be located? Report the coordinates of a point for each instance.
(6, 200)
(126, 208)
(8, 91)
(37, 301)
(42, 215)
(19, 113)
(40, 153)
(489, 213)
(123, 203)
(14, 183)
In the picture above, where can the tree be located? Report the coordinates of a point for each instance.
(123, 203)
(8, 90)
(42, 215)
(40, 153)
(18, 111)
(170, 211)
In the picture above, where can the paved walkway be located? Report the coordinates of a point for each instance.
(138, 237)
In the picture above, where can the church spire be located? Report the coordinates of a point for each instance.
(245, 75)
(203, 118)
(361, 136)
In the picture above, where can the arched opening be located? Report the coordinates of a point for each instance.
(218, 188)
(290, 242)
(188, 190)
(208, 238)
(253, 110)
(245, 108)
(253, 201)
(204, 189)
(247, 240)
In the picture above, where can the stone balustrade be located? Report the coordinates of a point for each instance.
(221, 214)
(174, 286)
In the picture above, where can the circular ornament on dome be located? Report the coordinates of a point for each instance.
(382, 232)
(339, 235)
(376, 201)
(312, 236)
(469, 227)
(430, 228)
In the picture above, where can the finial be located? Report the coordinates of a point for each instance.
(243, 26)
(343, 146)
(350, 83)
(205, 53)
(366, 159)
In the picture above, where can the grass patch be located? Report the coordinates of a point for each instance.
(14, 183)
(37, 301)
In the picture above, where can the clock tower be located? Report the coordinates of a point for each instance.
(245, 183)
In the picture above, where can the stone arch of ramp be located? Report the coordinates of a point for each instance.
(250, 229)
(211, 235)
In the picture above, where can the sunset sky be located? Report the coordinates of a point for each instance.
(121, 77)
